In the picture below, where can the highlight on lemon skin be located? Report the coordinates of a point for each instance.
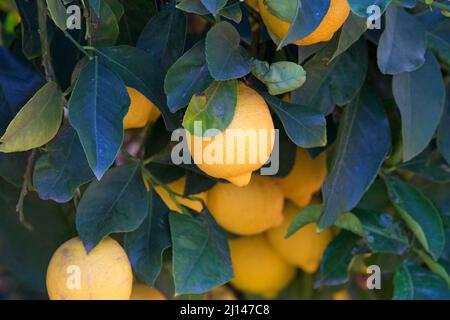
(245, 145)
(178, 186)
(303, 249)
(258, 269)
(103, 274)
(305, 179)
(143, 292)
(247, 210)
(335, 17)
(141, 111)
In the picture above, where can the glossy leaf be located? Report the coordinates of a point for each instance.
(117, 203)
(360, 7)
(145, 245)
(58, 13)
(214, 6)
(63, 168)
(201, 257)
(419, 214)
(362, 145)
(353, 28)
(36, 123)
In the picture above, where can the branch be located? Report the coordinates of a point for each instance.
(438, 5)
(25, 187)
(45, 46)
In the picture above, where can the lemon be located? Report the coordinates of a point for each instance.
(305, 178)
(304, 248)
(141, 111)
(143, 292)
(342, 295)
(103, 274)
(248, 146)
(258, 269)
(335, 17)
(247, 210)
(178, 187)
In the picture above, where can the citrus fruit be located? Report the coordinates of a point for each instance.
(103, 274)
(143, 292)
(342, 295)
(246, 143)
(305, 178)
(178, 187)
(258, 269)
(141, 110)
(335, 17)
(304, 248)
(247, 210)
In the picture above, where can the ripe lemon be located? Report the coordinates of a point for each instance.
(178, 187)
(335, 17)
(247, 210)
(143, 292)
(258, 269)
(245, 144)
(304, 248)
(305, 179)
(342, 295)
(141, 111)
(103, 274)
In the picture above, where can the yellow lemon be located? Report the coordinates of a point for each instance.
(220, 293)
(243, 147)
(103, 274)
(304, 248)
(143, 292)
(178, 187)
(258, 269)
(305, 179)
(342, 295)
(335, 17)
(141, 111)
(247, 210)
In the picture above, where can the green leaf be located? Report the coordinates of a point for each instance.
(31, 42)
(193, 6)
(167, 44)
(232, 11)
(353, 28)
(26, 253)
(434, 266)
(363, 143)
(104, 26)
(412, 282)
(419, 214)
(279, 77)
(399, 49)
(36, 123)
(212, 110)
(337, 258)
(214, 6)
(97, 106)
(58, 13)
(304, 126)
(145, 245)
(201, 257)
(284, 10)
(127, 62)
(117, 203)
(443, 134)
(359, 7)
(135, 17)
(311, 214)
(382, 233)
(420, 96)
(63, 168)
(186, 77)
(225, 57)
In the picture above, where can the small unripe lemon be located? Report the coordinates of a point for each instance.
(304, 249)
(245, 145)
(305, 178)
(141, 111)
(258, 269)
(143, 292)
(103, 274)
(335, 17)
(178, 187)
(247, 210)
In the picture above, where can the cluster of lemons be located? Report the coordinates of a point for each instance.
(255, 210)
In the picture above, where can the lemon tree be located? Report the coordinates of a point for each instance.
(224, 149)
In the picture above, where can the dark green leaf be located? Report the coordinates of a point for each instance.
(117, 203)
(58, 13)
(363, 143)
(145, 245)
(97, 106)
(201, 257)
(135, 17)
(63, 168)
(443, 135)
(352, 30)
(419, 214)
(360, 7)
(31, 42)
(12, 167)
(214, 6)
(104, 26)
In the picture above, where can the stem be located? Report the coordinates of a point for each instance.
(45, 46)
(79, 46)
(438, 5)
(434, 266)
(25, 187)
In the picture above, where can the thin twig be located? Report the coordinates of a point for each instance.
(25, 187)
